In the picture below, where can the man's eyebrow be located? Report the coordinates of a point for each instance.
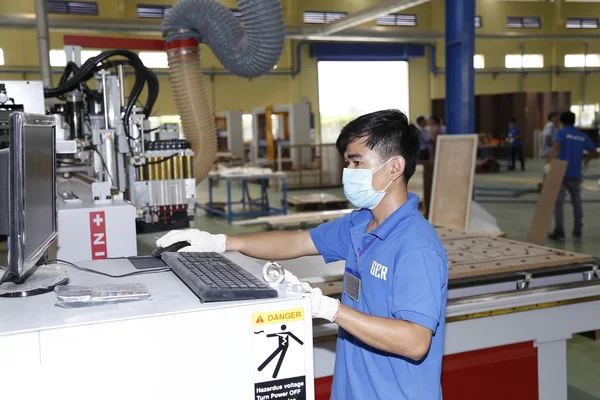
(353, 156)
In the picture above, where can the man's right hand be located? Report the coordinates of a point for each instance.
(200, 241)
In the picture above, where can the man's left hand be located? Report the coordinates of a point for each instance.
(322, 306)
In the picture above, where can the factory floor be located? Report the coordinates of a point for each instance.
(514, 216)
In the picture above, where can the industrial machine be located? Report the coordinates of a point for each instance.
(109, 138)
(101, 136)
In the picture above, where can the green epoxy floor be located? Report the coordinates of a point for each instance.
(514, 217)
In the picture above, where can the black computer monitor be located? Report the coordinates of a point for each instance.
(28, 191)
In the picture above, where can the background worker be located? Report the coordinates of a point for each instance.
(569, 145)
(392, 322)
(435, 129)
(548, 133)
(516, 147)
(425, 138)
(547, 138)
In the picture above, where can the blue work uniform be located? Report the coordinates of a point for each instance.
(572, 144)
(403, 270)
(514, 131)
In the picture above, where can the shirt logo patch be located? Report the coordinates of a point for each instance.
(379, 271)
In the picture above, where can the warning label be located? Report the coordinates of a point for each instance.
(289, 389)
(279, 355)
(278, 317)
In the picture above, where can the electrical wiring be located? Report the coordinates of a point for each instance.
(103, 163)
(93, 271)
(79, 75)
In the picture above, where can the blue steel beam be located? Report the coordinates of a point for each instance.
(460, 73)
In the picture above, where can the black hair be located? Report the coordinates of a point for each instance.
(389, 133)
(567, 118)
(436, 120)
(420, 119)
(552, 115)
(512, 120)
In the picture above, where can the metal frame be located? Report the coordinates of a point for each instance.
(263, 201)
(19, 264)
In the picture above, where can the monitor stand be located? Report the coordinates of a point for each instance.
(39, 280)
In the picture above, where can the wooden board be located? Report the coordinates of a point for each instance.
(317, 201)
(478, 256)
(446, 234)
(453, 174)
(545, 206)
(470, 255)
(298, 218)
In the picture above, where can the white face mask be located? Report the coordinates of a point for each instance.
(358, 187)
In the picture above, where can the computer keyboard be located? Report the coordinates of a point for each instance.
(214, 277)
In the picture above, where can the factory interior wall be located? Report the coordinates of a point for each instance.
(232, 93)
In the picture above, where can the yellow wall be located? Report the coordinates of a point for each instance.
(230, 92)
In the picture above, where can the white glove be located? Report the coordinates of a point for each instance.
(321, 306)
(547, 168)
(200, 241)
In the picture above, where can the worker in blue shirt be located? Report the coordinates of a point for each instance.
(569, 145)
(392, 312)
(516, 147)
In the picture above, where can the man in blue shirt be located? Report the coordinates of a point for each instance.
(516, 147)
(393, 307)
(569, 145)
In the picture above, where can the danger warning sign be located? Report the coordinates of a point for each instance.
(279, 355)
(278, 317)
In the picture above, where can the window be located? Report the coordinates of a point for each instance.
(72, 7)
(247, 129)
(58, 58)
(585, 114)
(582, 60)
(1, 57)
(342, 97)
(524, 22)
(524, 61)
(154, 59)
(398, 20)
(319, 17)
(582, 23)
(152, 11)
(477, 22)
(478, 61)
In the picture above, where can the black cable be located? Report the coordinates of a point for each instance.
(93, 271)
(101, 159)
(103, 164)
(151, 130)
(86, 71)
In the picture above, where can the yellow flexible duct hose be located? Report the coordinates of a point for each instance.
(191, 101)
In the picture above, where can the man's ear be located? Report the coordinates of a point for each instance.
(398, 166)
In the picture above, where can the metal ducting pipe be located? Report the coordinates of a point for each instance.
(248, 52)
(43, 41)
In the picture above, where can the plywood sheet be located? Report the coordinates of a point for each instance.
(477, 256)
(446, 234)
(453, 175)
(545, 206)
(319, 198)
